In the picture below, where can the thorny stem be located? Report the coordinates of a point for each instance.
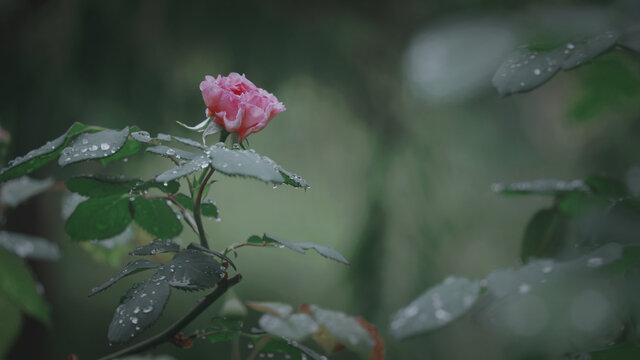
(174, 329)
(196, 208)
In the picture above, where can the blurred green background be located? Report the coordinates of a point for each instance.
(390, 117)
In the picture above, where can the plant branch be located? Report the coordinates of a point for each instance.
(233, 247)
(174, 329)
(259, 347)
(196, 208)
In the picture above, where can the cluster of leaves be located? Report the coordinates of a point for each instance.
(590, 232)
(531, 66)
(103, 209)
(190, 269)
(581, 255)
(19, 291)
(284, 332)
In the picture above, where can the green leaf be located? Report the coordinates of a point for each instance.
(168, 151)
(325, 251)
(163, 137)
(526, 69)
(36, 158)
(579, 203)
(131, 268)
(141, 136)
(607, 187)
(436, 307)
(541, 273)
(99, 218)
(539, 187)
(584, 52)
(141, 306)
(245, 163)
(293, 179)
(11, 325)
(189, 142)
(543, 235)
(196, 246)
(192, 270)
(168, 187)
(630, 39)
(18, 287)
(610, 84)
(157, 246)
(301, 248)
(31, 247)
(282, 243)
(207, 208)
(93, 146)
(156, 217)
(16, 191)
(199, 163)
(100, 186)
(130, 148)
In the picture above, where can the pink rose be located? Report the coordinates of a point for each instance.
(238, 105)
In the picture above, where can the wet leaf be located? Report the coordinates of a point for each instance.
(168, 187)
(526, 69)
(301, 248)
(100, 186)
(16, 191)
(93, 146)
(293, 179)
(141, 136)
(156, 217)
(245, 163)
(325, 251)
(139, 308)
(129, 149)
(189, 142)
(436, 307)
(157, 246)
(34, 159)
(99, 218)
(31, 247)
(539, 187)
(168, 151)
(192, 270)
(130, 269)
(199, 163)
